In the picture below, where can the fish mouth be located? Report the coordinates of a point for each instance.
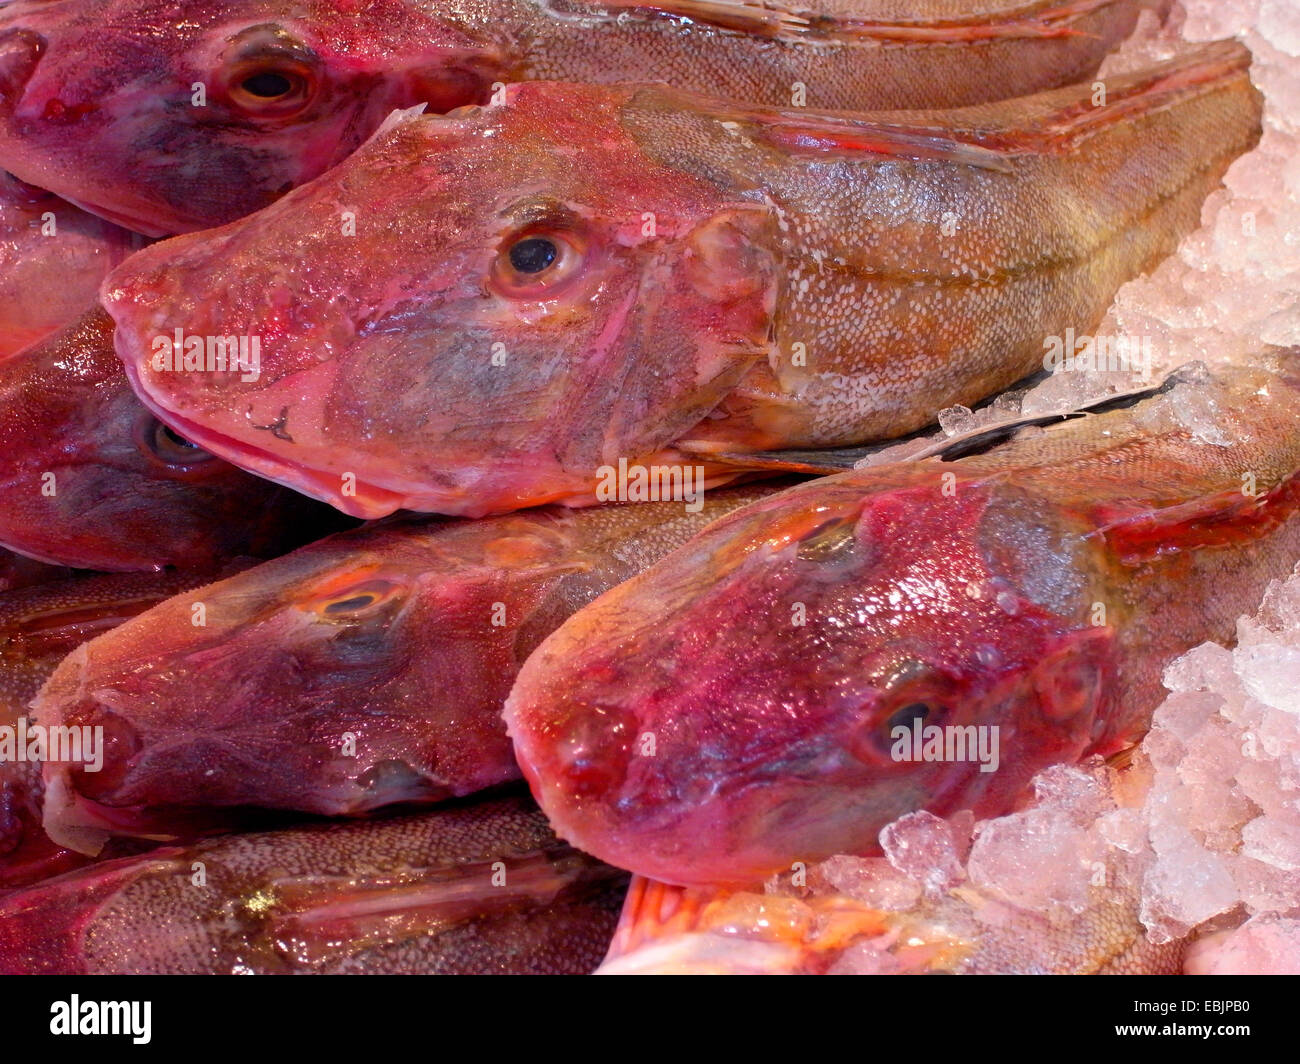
(136, 223)
(369, 503)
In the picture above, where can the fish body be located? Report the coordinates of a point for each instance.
(92, 479)
(921, 635)
(39, 627)
(168, 123)
(480, 889)
(594, 275)
(53, 257)
(364, 670)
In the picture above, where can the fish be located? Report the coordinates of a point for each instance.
(165, 123)
(92, 480)
(483, 889)
(364, 670)
(924, 635)
(587, 279)
(39, 626)
(53, 257)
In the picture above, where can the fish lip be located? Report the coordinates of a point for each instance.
(131, 222)
(370, 502)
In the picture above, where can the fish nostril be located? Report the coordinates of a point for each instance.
(20, 51)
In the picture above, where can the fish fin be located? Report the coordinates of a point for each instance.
(1225, 518)
(838, 136)
(1033, 19)
(814, 463)
(984, 438)
(1064, 120)
(978, 440)
(654, 910)
(310, 915)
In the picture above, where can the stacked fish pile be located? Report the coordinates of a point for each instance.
(606, 319)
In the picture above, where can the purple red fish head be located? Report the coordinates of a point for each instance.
(830, 634)
(474, 313)
(169, 118)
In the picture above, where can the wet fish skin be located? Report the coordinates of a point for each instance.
(810, 281)
(364, 670)
(39, 626)
(97, 100)
(1041, 589)
(407, 895)
(53, 257)
(127, 493)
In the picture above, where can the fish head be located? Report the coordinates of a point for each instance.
(361, 671)
(472, 314)
(825, 633)
(93, 479)
(168, 121)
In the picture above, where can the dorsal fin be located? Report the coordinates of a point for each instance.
(1030, 19)
(991, 137)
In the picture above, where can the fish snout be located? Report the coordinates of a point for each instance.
(20, 52)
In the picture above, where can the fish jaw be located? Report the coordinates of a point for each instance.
(160, 98)
(784, 748)
(437, 383)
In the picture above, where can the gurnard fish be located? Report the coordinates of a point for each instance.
(53, 257)
(920, 635)
(590, 275)
(168, 122)
(39, 627)
(91, 479)
(364, 670)
(477, 889)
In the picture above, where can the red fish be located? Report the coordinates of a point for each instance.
(91, 479)
(168, 121)
(363, 670)
(586, 276)
(916, 635)
(480, 889)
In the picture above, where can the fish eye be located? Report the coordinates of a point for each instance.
(876, 743)
(533, 254)
(268, 85)
(907, 716)
(171, 447)
(274, 88)
(272, 75)
(533, 264)
(356, 601)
